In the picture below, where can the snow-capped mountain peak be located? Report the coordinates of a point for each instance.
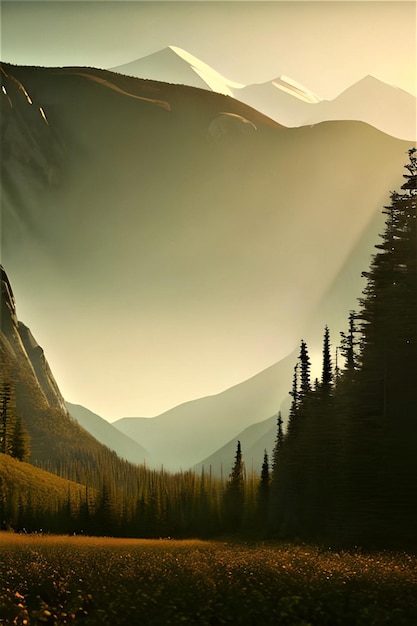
(214, 80)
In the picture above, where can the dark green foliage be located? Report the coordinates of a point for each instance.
(8, 414)
(21, 442)
(278, 442)
(264, 490)
(234, 495)
(349, 346)
(327, 371)
(14, 437)
(305, 383)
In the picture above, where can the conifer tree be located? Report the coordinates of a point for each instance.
(349, 346)
(305, 383)
(234, 496)
(327, 370)
(263, 495)
(278, 443)
(295, 404)
(21, 442)
(8, 415)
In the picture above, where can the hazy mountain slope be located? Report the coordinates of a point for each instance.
(165, 66)
(387, 108)
(254, 440)
(179, 242)
(184, 435)
(107, 434)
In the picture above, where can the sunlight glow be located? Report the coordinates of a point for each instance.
(42, 112)
(287, 84)
(28, 98)
(239, 117)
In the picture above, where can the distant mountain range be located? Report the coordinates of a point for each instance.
(182, 437)
(108, 435)
(387, 108)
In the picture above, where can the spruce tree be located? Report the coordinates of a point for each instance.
(295, 403)
(278, 443)
(305, 383)
(21, 442)
(350, 344)
(7, 415)
(327, 370)
(234, 496)
(264, 490)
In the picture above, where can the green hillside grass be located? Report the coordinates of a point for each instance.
(26, 488)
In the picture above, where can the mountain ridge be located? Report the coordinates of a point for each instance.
(386, 107)
(107, 434)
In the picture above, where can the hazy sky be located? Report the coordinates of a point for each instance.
(326, 46)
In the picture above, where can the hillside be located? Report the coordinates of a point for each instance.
(28, 493)
(254, 441)
(108, 435)
(181, 437)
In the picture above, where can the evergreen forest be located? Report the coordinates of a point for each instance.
(343, 472)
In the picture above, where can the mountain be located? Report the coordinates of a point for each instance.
(254, 441)
(107, 434)
(28, 388)
(175, 65)
(187, 433)
(387, 108)
(23, 359)
(182, 241)
(372, 101)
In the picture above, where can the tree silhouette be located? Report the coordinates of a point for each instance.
(234, 496)
(327, 370)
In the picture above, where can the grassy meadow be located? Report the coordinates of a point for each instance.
(85, 580)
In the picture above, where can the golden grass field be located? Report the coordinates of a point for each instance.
(88, 580)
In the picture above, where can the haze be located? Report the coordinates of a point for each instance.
(325, 46)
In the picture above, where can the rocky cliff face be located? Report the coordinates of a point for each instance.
(57, 440)
(21, 356)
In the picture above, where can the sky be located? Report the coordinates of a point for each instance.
(326, 46)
